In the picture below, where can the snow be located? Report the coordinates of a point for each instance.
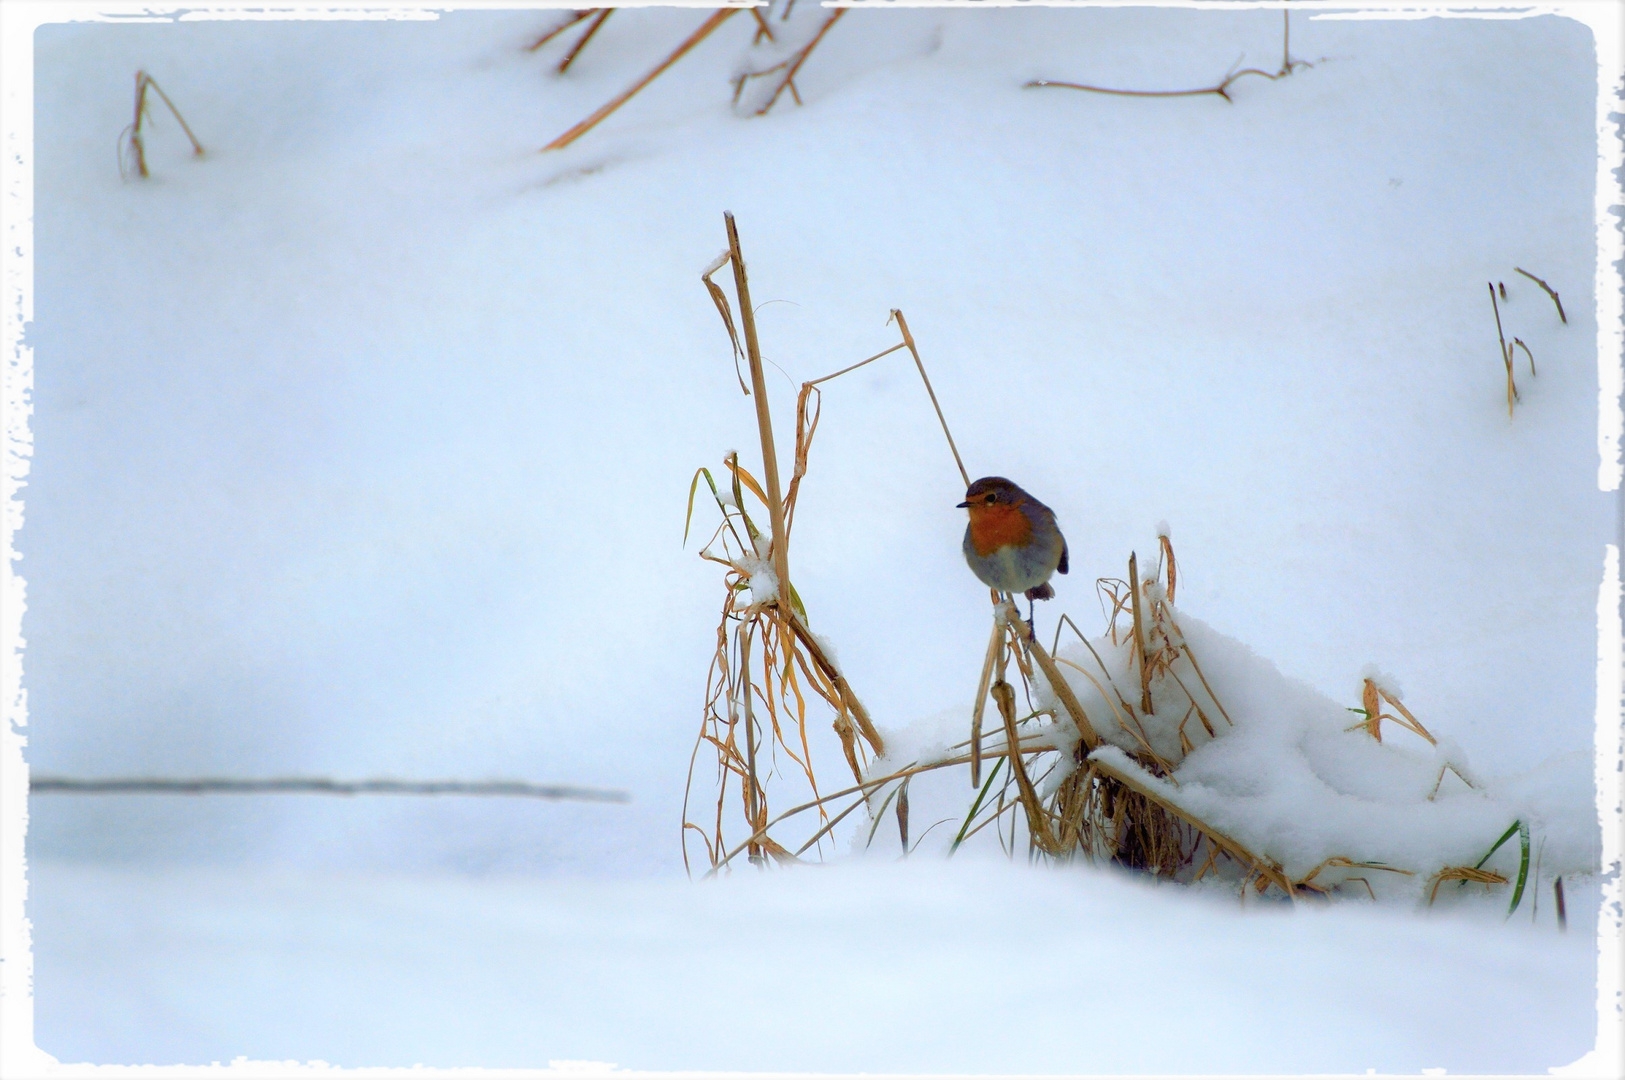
(362, 446)
(973, 966)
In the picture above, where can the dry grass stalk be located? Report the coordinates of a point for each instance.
(1464, 874)
(908, 339)
(1549, 292)
(1340, 862)
(1222, 88)
(994, 646)
(780, 541)
(1139, 635)
(1506, 353)
(133, 136)
(581, 42)
(1037, 820)
(790, 65)
(716, 19)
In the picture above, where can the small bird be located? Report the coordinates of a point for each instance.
(1012, 542)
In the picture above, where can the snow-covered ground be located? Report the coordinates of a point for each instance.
(973, 966)
(361, 447)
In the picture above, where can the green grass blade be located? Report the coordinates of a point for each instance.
(1514, 827)
(795, 602)
(1523, 868)
(881, 815)
(688, 518)
(987, 786)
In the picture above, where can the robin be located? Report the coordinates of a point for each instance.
(1012, 543)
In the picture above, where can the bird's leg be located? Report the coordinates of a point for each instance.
(1032, 620)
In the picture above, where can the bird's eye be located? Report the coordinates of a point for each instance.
(992, 497)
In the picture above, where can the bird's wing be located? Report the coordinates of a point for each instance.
(1062, 567)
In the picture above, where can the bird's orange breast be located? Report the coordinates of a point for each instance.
(993, 527)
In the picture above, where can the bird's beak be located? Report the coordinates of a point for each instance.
(963, 505)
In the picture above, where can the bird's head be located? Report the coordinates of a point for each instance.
(992, 491)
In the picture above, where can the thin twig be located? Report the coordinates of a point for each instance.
(1551, 292)
(1506, 352)
(790, 66)
(1222, 89)
(860, 363)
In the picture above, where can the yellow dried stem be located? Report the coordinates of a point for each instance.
(1037, 824)
(1373, 710)
(993, 645)
(1415, 724)
(1168, 554)
(717, 19)
(755, 805)
(1058, 684)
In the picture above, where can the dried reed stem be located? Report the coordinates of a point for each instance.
(1139, 635)
(1057, 683)
(143, 82)
(1506, 352)
(1037, 821)
(764, 420)
(575, 17)
(859, 713)
(908, 339)
(581, 43)
(994, 644)
(717, 19)
(752, 791)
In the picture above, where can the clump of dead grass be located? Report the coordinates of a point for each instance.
(1054, 788)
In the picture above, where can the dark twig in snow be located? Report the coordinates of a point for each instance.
(1288, 66)
(132, 134)
(1549, 292)
(1506, 351)
(790, 66)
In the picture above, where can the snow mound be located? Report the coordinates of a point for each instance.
(1297, 778)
